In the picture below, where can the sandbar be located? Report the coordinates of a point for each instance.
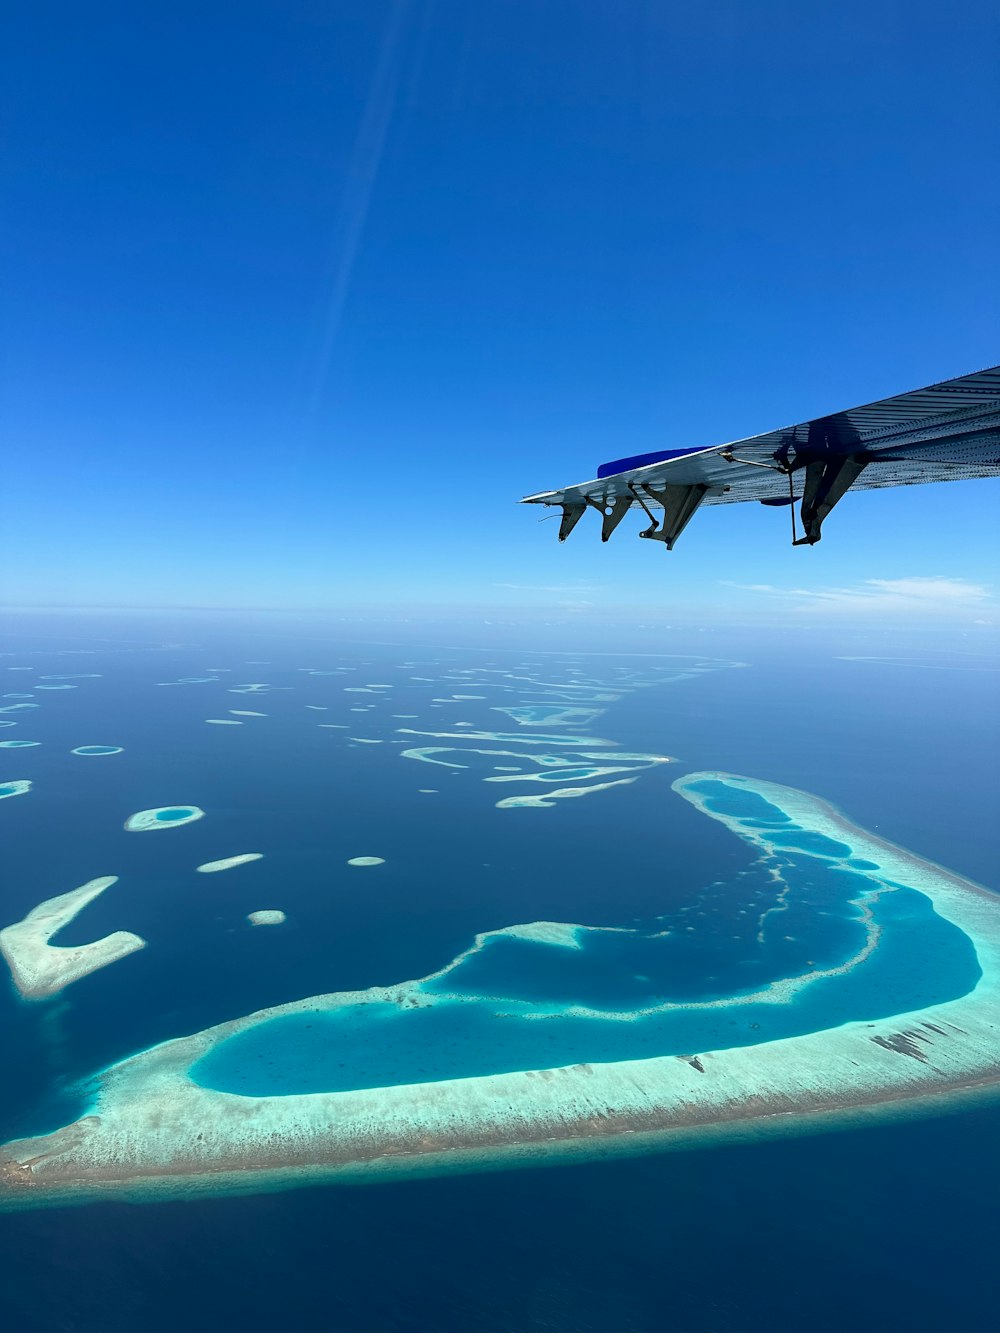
(547, 798)
(561, 933)
(267, 916)
(366, 861)
(228, 862)
(40, 969)
(515, 737)
(571, 772)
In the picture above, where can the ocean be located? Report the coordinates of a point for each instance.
(889, 1225)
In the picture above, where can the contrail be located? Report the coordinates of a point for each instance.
(361, 175)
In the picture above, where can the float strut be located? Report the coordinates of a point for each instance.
(679, 504)
(612, 511)
(571, 515)
(827, 481)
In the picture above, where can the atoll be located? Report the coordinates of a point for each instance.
(902, 1019)
(18, 787)
(164, 816)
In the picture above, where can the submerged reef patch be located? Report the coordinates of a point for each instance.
(541, 715)
(543, 769)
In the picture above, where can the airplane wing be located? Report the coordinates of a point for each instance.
(946, 432)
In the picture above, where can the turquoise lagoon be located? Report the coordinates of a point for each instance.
(847, 945)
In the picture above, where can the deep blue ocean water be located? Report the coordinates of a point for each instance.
(889, 1226)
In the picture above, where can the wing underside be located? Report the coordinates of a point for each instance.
(948, 432)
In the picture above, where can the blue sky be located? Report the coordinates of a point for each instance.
(301, 298)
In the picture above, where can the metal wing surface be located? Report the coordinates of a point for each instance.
(947, 432)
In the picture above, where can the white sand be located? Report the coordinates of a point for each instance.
(40, 968)
(227, 862)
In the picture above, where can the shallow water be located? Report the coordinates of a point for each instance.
(740, 1238)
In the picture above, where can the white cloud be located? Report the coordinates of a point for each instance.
(917, 597)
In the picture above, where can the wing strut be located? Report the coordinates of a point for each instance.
(613, 513)
(679, 504)
(827, 481)
(939, 433)
(571, 515)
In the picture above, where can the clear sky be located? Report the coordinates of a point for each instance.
(301, 296)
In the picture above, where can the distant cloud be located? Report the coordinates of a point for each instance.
(921, 597)
(560, 589)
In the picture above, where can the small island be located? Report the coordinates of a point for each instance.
(268, 916)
